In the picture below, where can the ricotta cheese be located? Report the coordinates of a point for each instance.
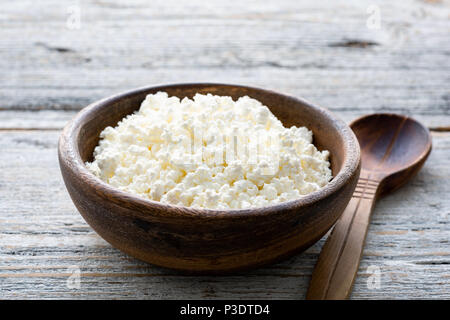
(209, 152)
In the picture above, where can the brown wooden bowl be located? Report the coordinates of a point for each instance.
(203, 240)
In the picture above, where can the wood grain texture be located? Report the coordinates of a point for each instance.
(309, 49)
(42, 235)
(318, 50)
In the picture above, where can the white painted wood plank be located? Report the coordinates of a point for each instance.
(317, 50)
(42, 235)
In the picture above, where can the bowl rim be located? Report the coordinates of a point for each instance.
(68, 153)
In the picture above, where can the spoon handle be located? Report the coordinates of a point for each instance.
(338, 262)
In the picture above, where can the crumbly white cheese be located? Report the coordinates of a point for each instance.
(209, 152)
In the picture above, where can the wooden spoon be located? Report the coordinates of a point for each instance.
(393, 149)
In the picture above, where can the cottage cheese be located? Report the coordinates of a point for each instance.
(209, 152)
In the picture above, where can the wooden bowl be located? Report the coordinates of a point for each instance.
(203, 240)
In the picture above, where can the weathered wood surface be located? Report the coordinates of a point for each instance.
(321, 51)
(41, 235)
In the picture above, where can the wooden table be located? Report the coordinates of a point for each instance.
(51, 66)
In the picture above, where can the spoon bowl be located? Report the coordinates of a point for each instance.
(393, 148)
